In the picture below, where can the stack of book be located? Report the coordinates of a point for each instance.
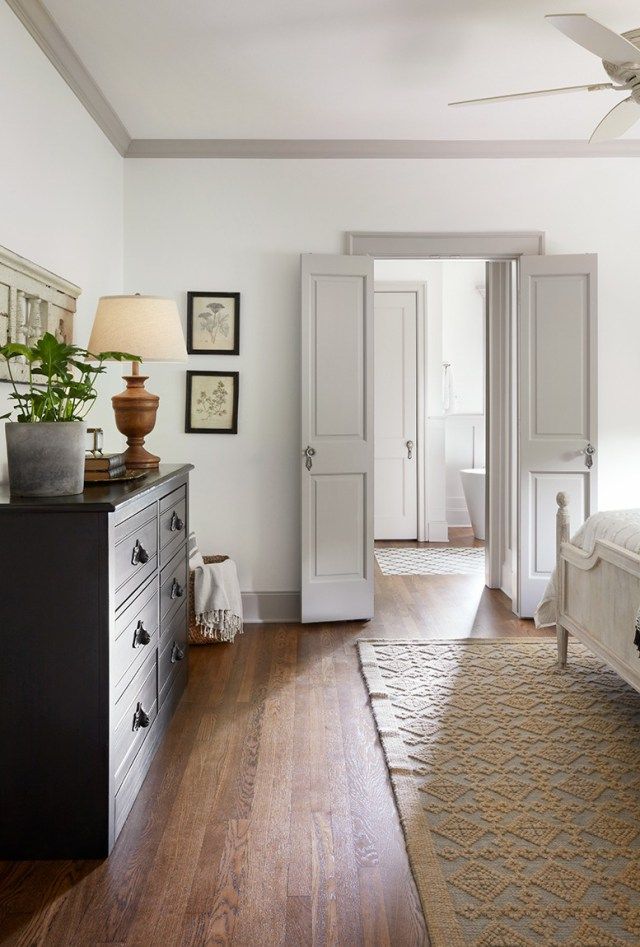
(104, 466)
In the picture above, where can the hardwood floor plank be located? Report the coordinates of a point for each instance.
(264, 898)
(212, 910)
(267, 817)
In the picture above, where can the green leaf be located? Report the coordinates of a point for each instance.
(15, 349)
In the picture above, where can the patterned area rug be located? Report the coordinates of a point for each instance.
(462, 560)
(518, 787)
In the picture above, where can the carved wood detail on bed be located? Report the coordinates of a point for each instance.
(598, 597)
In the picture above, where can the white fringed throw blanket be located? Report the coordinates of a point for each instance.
(217, 599)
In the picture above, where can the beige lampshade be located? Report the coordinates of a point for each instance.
(148, 326)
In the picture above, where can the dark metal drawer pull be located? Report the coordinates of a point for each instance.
(141, 636)
(176, 525)
(140, 717)
(176, 589)
(177, 653)
(139, 554)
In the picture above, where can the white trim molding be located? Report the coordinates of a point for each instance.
(271, 607)
(374, 148)
(37, 21)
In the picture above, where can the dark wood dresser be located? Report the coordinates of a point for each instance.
(93, 632)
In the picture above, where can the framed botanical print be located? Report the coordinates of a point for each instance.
(213, 323)
(212, 402)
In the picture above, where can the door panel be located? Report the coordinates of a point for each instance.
(396, 494)
(560, 342)
(558, 408)
(339, 506)
(337, 353)
(337, 428)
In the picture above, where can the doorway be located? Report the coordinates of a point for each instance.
(548, 382)
(430, 492)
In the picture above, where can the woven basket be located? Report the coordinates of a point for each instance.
(195, 634)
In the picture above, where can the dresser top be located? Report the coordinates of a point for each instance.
(105, 496)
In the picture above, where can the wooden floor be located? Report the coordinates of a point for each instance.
(267, 817)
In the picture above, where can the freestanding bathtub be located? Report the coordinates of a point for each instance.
(473, 485)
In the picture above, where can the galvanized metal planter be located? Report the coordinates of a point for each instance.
(46, 458)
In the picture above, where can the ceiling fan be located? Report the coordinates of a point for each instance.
(620, 55)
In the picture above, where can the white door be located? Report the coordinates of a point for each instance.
(336, 457)
(395, 368)
(557, 408)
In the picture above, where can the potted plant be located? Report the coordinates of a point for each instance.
(46, 442)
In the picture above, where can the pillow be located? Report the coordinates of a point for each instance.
(195, 556)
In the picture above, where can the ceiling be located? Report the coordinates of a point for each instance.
(375, 69)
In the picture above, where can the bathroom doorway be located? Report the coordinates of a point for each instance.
(430, 344)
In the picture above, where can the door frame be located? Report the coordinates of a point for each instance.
(422, 315)
(490, 246)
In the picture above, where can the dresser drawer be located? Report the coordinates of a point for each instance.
(134, 715)
(136, 635)
(173, 588)
(136, 552)
(174, 651)
(173, 523)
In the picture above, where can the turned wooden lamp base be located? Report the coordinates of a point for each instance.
(135, 409)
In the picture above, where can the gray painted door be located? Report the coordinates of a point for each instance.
(557, 367)
(336, 450)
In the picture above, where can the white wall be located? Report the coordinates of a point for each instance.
(463, 332)
(240, 225)
(61, 181)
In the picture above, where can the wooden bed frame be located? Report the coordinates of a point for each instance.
(598, 597)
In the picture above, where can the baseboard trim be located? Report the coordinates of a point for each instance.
(438, 531)
(271, 607)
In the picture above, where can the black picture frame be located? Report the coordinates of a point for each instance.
(191, 297)
(188, 424)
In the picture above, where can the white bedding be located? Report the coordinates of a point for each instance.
(621, 527)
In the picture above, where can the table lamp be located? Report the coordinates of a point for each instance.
(149, 327)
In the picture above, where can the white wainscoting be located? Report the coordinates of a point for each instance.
(464, 447)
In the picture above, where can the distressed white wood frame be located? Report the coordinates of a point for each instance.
(420, 290)
(491, 246)
(597, 599)
(32, 301)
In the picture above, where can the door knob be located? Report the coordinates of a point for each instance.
(308, 453)
(409, 449)
(588, 452)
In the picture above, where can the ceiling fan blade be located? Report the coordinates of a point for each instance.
(530, 95)
(619, 120)
(595, 37)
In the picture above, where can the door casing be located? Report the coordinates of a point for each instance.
(491, 246)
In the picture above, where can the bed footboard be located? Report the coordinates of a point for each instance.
(598, 597)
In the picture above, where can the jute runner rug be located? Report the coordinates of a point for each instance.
(518, 787)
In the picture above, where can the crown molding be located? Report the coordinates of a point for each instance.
(38, 22)
(373, 148)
